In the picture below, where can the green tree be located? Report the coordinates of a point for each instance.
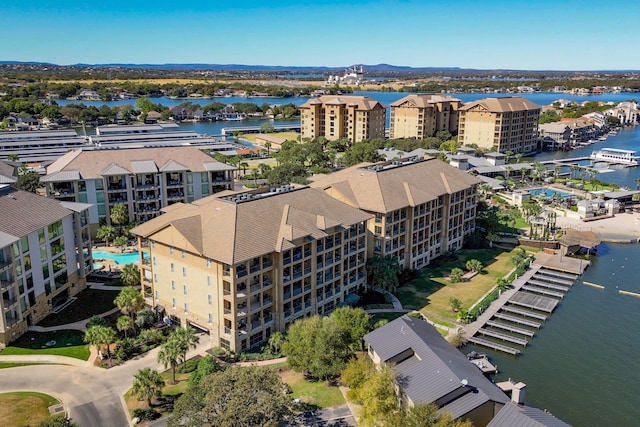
(100, 335)
(276, 340)
(356, 372)
(455, 304)
(170, 355)
(355, 322)
(474, 265)
(288, 173)
(147, 384)
(502, 283)
(121, 242)
(28, 180)
(267, 128)
(130, 275)
(317, 346)
(119, 215)
(382, 272)
(206, 366)
(124, 324)
(377, 396)
(267, 145)
(235, 397)
(549, 116)
(456, 275)
(106, 233)
(129, 301)
(186, 339)
(423, 415)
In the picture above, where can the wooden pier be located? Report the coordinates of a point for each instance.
(504, 337)
(518, 320)
(485, 366)
(550, 279)
(507, 327)
(548, 285)
(533, 301)
(542, 291)
(526, 313)
(553, 273)
(494, 345)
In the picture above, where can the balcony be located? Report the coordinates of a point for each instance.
(242, 311)
(255, 324)
(10, 321)
(255, 287)
(4, 284)
(268, 319)
(254, 268)
(267, 301)
(8, 303)
(227, 331)
(173, 184)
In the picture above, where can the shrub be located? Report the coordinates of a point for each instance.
(146, 414)
(456, 275)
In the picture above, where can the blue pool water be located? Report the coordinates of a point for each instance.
(548, 193)
(120, 259)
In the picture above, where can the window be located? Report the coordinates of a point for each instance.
(25, 244)
(184, 254)
(173, 302)
(99, 184)
(55, 229)
(208, 262)
(171, 266)
(184, 271)
(208, 280)
(157, 295)
(184, 289)
(41, 236)
(186, 307)
(154, 261)
(209, 299)
(173, 285)
(155, 278)
(153, 244)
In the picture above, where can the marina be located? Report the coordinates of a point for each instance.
(519, 313)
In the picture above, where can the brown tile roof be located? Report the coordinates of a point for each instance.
(503, 105)
(238, 231)
(22, 212)
(424, 100)
(394, 186)
(361, 102)
(90, 164)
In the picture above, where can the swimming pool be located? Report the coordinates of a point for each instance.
(548, 193)
(120, 259)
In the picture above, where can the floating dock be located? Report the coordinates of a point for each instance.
(518, 313)
(485, 366)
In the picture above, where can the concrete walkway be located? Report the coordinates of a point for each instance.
(397, 305)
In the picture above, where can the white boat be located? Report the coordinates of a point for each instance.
(615, 155)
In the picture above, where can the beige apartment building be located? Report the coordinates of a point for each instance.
(145, 180)
(421, 116)
(45, 256)
(501, 124)
(243, 265)
(420, 207)
(353, 117)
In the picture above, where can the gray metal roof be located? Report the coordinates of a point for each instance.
(619, 194)
(435, 370)
(8, 179)
(514, 415)
(62, 176)
(76, 206)
(173, 166)
(144, 166)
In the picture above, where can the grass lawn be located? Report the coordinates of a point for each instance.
(25, 408)
(376, 317)
(89, 303)
(430, 292)
(292, 136)
(319, 394)
(174, 389)
(67, 343)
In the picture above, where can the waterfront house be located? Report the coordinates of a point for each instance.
(555, 135)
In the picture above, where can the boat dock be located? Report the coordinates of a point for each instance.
(485, 366)
(519, 313)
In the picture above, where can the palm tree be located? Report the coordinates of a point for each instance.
(491, 237)
(106, 233)
(243, 166)
(518, 157)
(98, 335)
(129, 300)
(267, 145)
(147, 384)
(130, 275)
(485, 189)
(275, 341)
(507, 171)
(508, 155)
(119, 215)
(124, 324)
(169, 356)
(186, 338)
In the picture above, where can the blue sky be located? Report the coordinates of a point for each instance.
(536, 34)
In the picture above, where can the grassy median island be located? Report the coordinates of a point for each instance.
(60, 343)
(25, 408)
(431, 291)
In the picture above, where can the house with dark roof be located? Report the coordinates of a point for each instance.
(430, 370)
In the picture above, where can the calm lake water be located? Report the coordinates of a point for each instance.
(581, 366)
